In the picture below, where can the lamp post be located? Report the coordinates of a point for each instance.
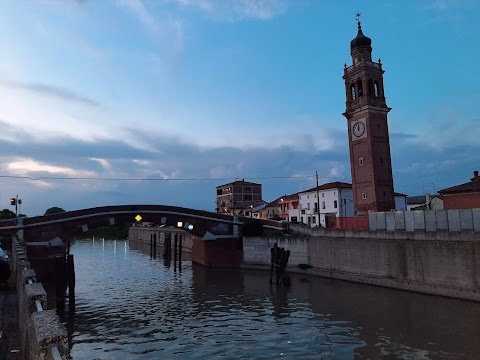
(251, 211)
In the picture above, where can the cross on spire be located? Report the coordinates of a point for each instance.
(358, 14)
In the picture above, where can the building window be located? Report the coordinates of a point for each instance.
(364, 195)
(335, 204)
(361, 162)
(315, 207)
(376, 89)
(303, 212)
(323, 194)
(323, 204)
(313, 220)
(308, 206)
(248, 189)
(293, 219)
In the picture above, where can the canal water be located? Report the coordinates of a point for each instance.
(129, 306)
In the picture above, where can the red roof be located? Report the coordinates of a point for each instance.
(472, 186)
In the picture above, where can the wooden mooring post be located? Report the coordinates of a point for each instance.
(180, 238)
(71, 282)
(167, 248)
(154, 245)
(278, 265)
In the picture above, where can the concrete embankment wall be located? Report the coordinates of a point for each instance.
(431, 220)
(42, 335)
(442, 263)
(143, 234)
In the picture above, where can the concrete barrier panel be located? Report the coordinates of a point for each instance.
(466, 219)
(372, 221)
(453, 220)
(442, 219)
(419, 218)
(409, 221)
(390, 221)
(381, 221)
(399, 220)
(476, 219)
(430, 221)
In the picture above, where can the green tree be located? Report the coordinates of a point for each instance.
(54, 210)
(7, 214)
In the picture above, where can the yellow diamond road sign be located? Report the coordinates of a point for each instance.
(138, 218)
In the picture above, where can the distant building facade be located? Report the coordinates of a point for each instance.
(283, 208)
(463, 196)
(334, 200)
(234, 197)
(400, 202)
(425, 202)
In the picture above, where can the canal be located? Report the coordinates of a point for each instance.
(129, 306)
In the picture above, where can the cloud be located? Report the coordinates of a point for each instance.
(29, 166)
(103, 162)
(238, 10)
(51, 91)
(138, 9)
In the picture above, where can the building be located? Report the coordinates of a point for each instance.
(400, 202)
(425, 202)
(366, 113)
(463, 196)
(233, 198)
(283, 208)
(334, 200)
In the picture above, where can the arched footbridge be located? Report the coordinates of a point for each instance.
(75, 223)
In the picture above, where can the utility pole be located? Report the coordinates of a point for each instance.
(318, 200)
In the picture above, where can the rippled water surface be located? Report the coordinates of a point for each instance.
(131, 307)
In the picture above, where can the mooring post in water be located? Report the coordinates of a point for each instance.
(180, 238)
(154, 245)
(151, 245)
(60, 271)
(71, 282)
(272, 261)
(167, 248)
(175, 244)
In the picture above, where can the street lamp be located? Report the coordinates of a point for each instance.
(251, 211)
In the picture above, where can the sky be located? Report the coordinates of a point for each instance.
(109, 102)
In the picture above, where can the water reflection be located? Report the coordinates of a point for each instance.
(137, 308)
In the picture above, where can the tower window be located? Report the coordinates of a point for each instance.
(370, 87)
(353, 94)
(376, 89)
(360, 88)
(364, 195)
(361, 161)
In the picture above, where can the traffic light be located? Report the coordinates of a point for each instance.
(13, 201)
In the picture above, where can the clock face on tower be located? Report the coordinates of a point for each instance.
(358, 129)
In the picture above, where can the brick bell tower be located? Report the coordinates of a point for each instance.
(366, 114)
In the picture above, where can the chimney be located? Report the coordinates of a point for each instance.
(475, 176)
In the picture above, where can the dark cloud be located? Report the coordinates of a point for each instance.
(282, 170)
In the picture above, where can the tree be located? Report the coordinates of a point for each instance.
(7, 214)
(54, 210)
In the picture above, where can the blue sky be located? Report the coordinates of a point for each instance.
(191, 94)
